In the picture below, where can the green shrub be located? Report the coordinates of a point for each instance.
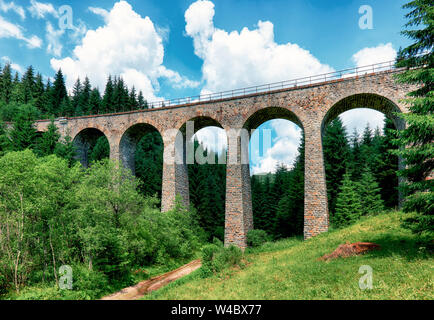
(216, 258)
(256, 238)
(3, 285)
(91, 284)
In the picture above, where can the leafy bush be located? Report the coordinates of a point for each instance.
(92, 284)
(256, 238)
(3, 284)
(92, 216)
(216, 258)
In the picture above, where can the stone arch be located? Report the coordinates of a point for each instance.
(84, 141)
(129, 140)
(199, 123)
(184, 145)
(270, 113)
(372, 101)
(364, 100)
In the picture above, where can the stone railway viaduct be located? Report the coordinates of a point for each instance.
(311, 107)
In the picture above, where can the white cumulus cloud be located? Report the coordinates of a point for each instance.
(283, 150)
(373, 55)
(213, 138)
(54, 46)
(233, 59)
(10, 30)
(40, 10)
(6, 6)
(100, 12)
(127, 45)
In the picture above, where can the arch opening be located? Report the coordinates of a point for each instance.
(357, 135)
(206, 173)
(364, 100)
(276, 159)
(91, 145)
(141, 151)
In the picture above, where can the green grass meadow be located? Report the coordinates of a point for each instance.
(290, 269)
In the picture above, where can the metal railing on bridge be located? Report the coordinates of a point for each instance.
(305, 81)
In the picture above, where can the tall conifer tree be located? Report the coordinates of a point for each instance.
(416, 141)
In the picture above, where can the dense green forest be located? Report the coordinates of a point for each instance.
(47, 100)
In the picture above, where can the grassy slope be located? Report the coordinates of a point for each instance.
(290, 270)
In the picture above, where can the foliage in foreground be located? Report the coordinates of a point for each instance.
(216, 258)
(256, 238)
(94, 219)
(289, 269)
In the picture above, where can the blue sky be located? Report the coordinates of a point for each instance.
(172, 49)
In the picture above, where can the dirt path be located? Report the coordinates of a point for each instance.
(144, 287)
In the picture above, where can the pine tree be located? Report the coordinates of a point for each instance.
(66, 108)
(356, 162)
(17, 92)
(61, 102)
(207, 183)
(84, 100)
(47, 100)
(65, 149)
(6, 84)
(95, 102)
(28, 85)
(416, 141)
(370, 194)
(385, 169)
(49, 140)
(23, 133)
(367, 135)
(149, 163)
(290, 213)
(39, 93)
(101, 150)
(132, 101)
(142, 103)
(107, 102)
(336, 156)
(120, 95)
(348, 203)
(367, 154)
(76, 95)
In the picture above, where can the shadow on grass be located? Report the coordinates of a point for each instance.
(408, 247)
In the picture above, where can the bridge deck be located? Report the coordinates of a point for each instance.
(296, 84)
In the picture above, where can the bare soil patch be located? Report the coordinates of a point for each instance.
(348, 250)
(144, 287)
